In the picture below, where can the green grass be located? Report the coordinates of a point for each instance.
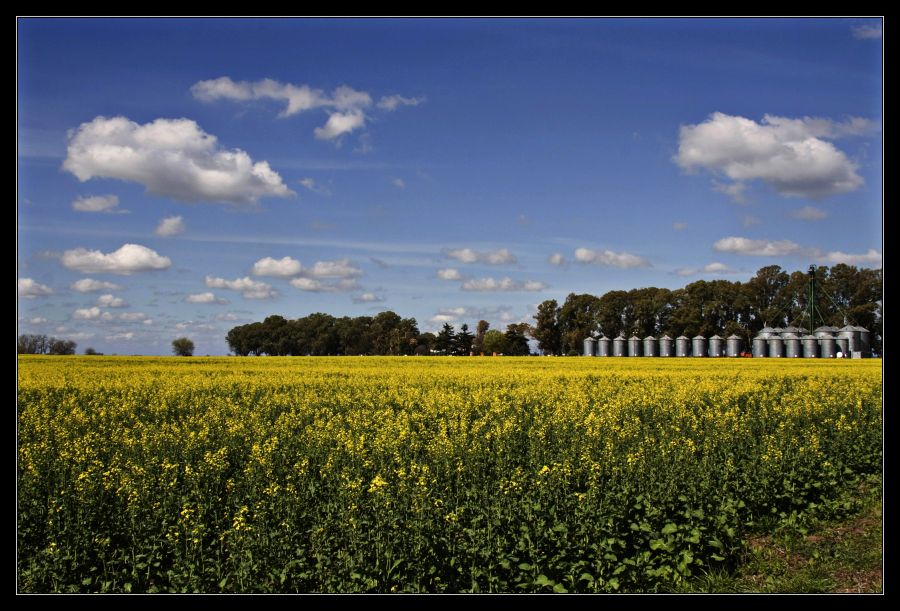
(815, 556)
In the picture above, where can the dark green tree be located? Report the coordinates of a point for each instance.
(546, 327)
(464, 340)
(182, 347)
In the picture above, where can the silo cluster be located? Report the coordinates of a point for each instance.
(824, 342)
(663, 346)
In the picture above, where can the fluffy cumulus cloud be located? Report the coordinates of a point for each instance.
(758, 248)
(556, 258)
(314, 285)
(345, 105)
(128, 259)
(393, 102)
(341, 268)
(367, 298)
(28, 288)
(610, 258)
(311, 185)
(501, 256)
(872, 258)
(711, 268)
(170, 225)
(246, 286)
(111, 301)
(793, 156)
(134, 317)
(279, 268)
(502, 313)
(172, 158)
(98, 203)
(449, 273)
(809, 213)
(121, 337)
(89, 285)
(93, 313)
(501, 284)
(206, 297)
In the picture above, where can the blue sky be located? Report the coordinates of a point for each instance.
(179, 177)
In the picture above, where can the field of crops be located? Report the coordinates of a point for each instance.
(422, 474)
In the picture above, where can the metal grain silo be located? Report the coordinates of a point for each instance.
(792, 347)
(761, 342)
(776, 346)
(810, 346)
(827, 345)
(666, 346)
(798, 331)
(716, 346)
(603, 346)
(619, 346)
(634, 346)
(733, 346)
(825, 330)
(651, 348)
(843, 346)
(698, 346)
(849, 333)
(682, 346)
(865, 345)
(590, 346)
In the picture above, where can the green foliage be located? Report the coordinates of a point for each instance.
(182, 347)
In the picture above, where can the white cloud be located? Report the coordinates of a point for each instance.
(38, 320)
(609, 258)
(111, 301)
(128, 259)
(445, 315)
(679, 226)
(367, 298)
(501, 284)
(133, 317)
(501, 256)
(89, 285)
(312, 185)
(790, 155)
(98, 203)
(227, 317)
(29, 289)
(809, 213)
(872, 257)
(172, 158)
(341, 268)
(758, 248)
(246, 286)
(556, 258)
(93, 313)
(170, 225)
(313, 285)
(734, 190)
(340, 123)
(711, 268)
(280, 268)
(206, 297)
(867, 32)
(440, 319)
(393, 102)
(449, 273)
(399, 183)
(121, 337)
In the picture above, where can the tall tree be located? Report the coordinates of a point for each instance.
(182, 347)
(516, 337)
(478, 342)
(578, 318)
(494, 342)
(464, 340)
(446, 339)
(546, 327)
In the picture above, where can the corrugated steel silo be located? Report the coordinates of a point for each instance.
(827, 345)
(619, 346)
(810, 346)
(760, 347)
(666, 346)
(776, 346)
(792, 329)
(682, 346)
(716, 346)
(733, 346)
(792, 347)
(603, 346)
(825, 330)
(865, 345)
(850, 333)
(698, 346)
(590, 346)
(843, 346)
(634, 346)
(651, 348)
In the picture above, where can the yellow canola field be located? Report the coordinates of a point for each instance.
(364, 474)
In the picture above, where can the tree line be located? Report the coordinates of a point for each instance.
(774, 297)
(845, 294)
(384, 334)
(41, 344)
